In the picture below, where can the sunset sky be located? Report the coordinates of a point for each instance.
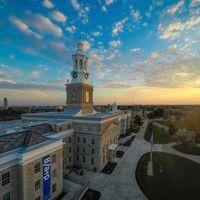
(140, 51)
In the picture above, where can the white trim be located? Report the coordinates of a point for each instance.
(32, 155)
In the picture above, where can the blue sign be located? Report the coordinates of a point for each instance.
(46, 177)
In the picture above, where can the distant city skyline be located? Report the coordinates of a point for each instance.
(141, 52)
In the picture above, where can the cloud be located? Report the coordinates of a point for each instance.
(174, 29)
(135, 50)
(44, 25)
(96, 34)
(24, 28)
(119, 26)
(58, 16)
(174, 8)
(27, 86)
(75, 4)
(135, 14)
(70, 29)
(34, 75)
(10, 70)
(104, 8)
(47, 4)
(86, 45)
(108, 2)
(115, 43)
(145, 24)
(194, 3)
(168, 69)
(57, 46)
(4, 77)
(95, 59)
(83, 14)
(115, 84)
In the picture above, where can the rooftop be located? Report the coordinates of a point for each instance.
(20, 139)
(69, 114)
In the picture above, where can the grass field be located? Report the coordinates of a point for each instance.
(160, 135)
(178, 179)
(177, 124)
(187, 148)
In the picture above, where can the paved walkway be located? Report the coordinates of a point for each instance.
(161, 126)
(169, 149)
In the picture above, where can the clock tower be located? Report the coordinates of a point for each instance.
(79, 91)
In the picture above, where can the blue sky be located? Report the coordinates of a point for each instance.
(137, 49)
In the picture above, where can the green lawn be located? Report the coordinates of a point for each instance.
(177, 124)
(178, 179)
(187, 148)
(160, 135)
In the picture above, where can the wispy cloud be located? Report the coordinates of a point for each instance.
(24, 28)
(47, 4)
(58, 16)
(75, 4)
(119, 26)
(44, 25)
(26, 86)
(176, 7)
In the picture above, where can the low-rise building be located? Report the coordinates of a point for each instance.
(31, 166)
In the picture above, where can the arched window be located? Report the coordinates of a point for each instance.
(76, 63)
(81, 64)
(84, 64)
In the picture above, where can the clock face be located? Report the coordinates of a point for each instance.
(86, 75)
(74, 74)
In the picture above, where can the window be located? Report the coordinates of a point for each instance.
(78, 139)
(87, 96)
(69, 140)
(81, 64)
(103, 159)
(83, 149)
(84, 140)
(53, 187)
(60, 129)
(53, 158)
(92, 161)
(37, 185)
(70, 159)
(92, 140)
(5, 178)
(77, 149)
(37, 167)
(69, 126)
(37, 198)
(6, 196)
(70, 149)
(83, 159)
(77, 157)
(92, 151)
(54, 173)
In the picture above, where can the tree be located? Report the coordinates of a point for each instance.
(138, 119)
(172, 129)
(192, 121)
